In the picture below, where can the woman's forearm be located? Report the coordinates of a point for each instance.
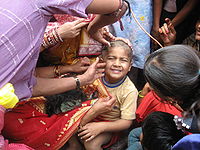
(184, 12)
(157, 9)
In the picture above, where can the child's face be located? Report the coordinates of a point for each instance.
(197, 36)
(118, 64)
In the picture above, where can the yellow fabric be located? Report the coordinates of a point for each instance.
(126, 104)
(8, 99)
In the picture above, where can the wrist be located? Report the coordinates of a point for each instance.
(140, 94)
(78, 83)
(83, 80)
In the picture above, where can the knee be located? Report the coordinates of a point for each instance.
(91, 145)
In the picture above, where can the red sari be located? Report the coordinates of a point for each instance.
(27, 123)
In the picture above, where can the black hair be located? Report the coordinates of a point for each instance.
(64, 102)
(173, 72)
(160, 131)
(118, 43)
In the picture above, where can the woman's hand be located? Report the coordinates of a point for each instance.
(156, 35)
(81, 65)
(71, 29)
(94, 72)
(167, 33)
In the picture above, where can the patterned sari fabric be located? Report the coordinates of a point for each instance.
(27, 123)
(72, 48)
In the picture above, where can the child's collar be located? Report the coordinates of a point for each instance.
(113, 85)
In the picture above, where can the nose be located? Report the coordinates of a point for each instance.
(117, 62)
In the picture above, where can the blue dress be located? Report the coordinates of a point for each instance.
(139, 39)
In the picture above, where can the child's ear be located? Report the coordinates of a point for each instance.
(130, 67)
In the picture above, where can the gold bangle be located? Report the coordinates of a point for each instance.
(140, 95)
(56, 71)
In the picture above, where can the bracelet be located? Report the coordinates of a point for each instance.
(56, 71)
(78, 83)
(51, 38)
(140, 95)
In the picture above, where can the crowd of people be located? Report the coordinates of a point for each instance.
(83, 75)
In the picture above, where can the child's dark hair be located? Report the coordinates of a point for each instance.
(173, 72)
(160, 131)
(118, 43)
(67, 101)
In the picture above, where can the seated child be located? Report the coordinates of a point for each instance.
(118, 58)
(160, 131)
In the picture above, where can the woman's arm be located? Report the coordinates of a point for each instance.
(184, 12)
(46, 86)
(111, 11)
(157, 9)
(50, 72)
(103, 7)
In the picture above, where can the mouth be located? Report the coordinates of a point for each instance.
(197, 32)
(116, 71)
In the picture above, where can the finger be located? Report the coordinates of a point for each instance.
(104, 41)
(82, 24)
(166, 28)
(168, 21)
(84, 68)
(78, 21)
(163, 30)
(112, 100)
(90, 138)
(100, 70)
(82, 133)
(99, 75)
(85, 61)
(172, 29)
(84, 137)
(160, 31)
(101, 65)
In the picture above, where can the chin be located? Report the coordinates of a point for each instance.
(197, 36)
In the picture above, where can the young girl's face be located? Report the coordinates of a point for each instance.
(118, 64)
(197, 36)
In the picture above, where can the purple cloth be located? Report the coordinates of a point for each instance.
(189, 142)
(22, 25)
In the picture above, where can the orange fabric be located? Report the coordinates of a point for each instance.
(151, 103)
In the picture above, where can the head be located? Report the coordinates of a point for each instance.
(197, 35)
(64, 102)
(118, 58)
(160, 132)
(173, 73)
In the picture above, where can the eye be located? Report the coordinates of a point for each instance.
(110, 58)
(124, 60)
